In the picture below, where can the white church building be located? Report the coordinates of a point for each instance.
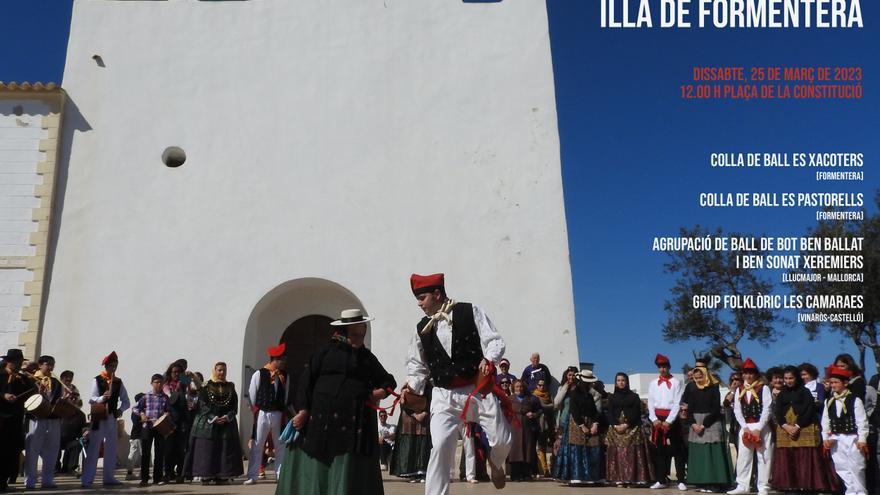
(224, 175)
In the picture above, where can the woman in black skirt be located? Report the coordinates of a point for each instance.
(216, 447)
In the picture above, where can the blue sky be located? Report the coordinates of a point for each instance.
(635, 156)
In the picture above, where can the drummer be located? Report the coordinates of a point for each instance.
(14, 389)
(150, 408)
(43, 427)
(70, 393)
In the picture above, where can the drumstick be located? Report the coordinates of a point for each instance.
(25, 392)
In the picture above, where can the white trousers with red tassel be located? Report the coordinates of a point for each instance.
(446, 408)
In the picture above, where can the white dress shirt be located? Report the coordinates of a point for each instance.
(490, 341)
(98, 398)
(660, 396)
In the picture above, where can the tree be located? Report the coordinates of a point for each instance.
(862, 333)
(711, 272)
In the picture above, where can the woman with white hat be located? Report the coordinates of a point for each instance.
(579, 458)
(337, 452)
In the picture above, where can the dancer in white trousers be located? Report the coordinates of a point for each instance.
(455, 346)
(268, 393)
(751, 407)
(106, 389)
(845, 432)
(469, 451)
(43, 439)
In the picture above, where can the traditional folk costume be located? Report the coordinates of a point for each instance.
(12, 417)
(412, 446)
(664, 402)
(104, 431)
(268, 394)
(751, 407)
(523, 454)
(708, 455)
(626, 458)
(872, 409)
(43, 438)
(579, 458)
(798, 463)
(448, 348)
(338, 450)
(845, 422)
(216, 448)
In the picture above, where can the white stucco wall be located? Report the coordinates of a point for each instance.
(20, 137)
(355, 141)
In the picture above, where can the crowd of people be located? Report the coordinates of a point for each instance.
(789, 428)
(182, 426)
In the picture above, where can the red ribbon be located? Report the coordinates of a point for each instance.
(486, 385)
(389, 409)
(658, 434)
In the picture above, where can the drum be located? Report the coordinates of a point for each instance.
(38, 407)
(164, 426)
(64, 409)
(98, 412)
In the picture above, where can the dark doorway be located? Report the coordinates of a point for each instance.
(302, 338)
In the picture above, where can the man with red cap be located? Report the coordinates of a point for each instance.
(268, 394)
(664, 401)
(456, 346)
(751, 406)
(845, 432)
(107, 389)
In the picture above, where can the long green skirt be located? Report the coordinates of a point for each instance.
(709, 464)
(347, 474)
(410, 456)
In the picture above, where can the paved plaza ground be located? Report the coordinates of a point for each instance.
(393, 486)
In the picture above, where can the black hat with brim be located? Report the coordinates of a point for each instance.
(14, 355)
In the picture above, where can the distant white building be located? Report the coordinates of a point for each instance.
(30, 121)
(233, 174)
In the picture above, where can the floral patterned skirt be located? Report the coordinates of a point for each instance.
(626, 458)
(577, 462)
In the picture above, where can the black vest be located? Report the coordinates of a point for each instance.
(466, 349)
(267, 398)
(844, 424)
(113, 401)
(752, 410)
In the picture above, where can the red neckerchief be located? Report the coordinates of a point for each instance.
(667, 381)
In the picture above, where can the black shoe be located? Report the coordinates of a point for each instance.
(144, 483)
